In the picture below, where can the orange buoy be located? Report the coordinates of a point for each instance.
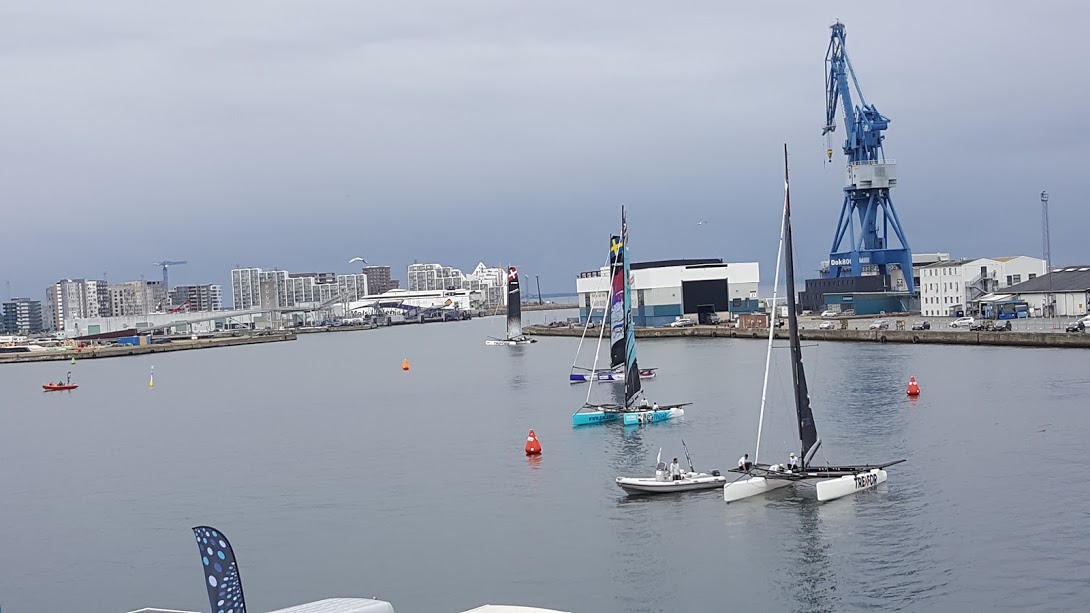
(913, 387)
(533, 446)
(405, 364)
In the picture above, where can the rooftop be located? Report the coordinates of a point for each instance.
(1068, 279)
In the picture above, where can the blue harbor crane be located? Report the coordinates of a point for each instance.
(870, 178)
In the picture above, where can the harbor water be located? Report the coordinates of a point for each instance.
(336, 473)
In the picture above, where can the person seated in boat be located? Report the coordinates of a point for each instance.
(792, 462)
(675, 471)
(744, 463)
(655, 406)
(643, 403)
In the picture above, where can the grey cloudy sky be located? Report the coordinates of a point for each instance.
(301, 134)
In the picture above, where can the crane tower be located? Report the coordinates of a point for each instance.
(868, 220)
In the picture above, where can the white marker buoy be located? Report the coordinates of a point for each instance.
(151, 381)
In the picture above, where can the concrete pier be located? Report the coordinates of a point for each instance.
(940, 337)
(112, 351)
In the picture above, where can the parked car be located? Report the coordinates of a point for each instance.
(828, 313)
(976, 326)
(881, 324)
(962, 322)
(1076, 326)
(826, 325)
(921, 325)
(709, 319)
(997, 326)
(681, 322)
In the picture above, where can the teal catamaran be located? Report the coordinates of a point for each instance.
(635, 410)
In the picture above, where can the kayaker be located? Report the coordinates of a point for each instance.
(675, 471)
(792, 462)
(744, 463)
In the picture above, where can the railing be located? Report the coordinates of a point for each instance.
(873, 162)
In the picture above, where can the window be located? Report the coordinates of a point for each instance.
(1032, 275)
(1009, 282)
(1017, 278)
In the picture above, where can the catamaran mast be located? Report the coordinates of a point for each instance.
(771, 330)
(632, 383)
(807, 427)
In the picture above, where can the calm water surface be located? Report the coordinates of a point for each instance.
(334, 473)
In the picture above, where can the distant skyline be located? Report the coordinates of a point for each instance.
(301, 135)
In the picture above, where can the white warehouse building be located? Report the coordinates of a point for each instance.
(664, 290)
(954, 288)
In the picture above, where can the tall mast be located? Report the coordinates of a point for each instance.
(771, 329)
(807, 427)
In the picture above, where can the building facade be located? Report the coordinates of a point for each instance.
(137, 298)
(488, 282)
(665, 290)
(22, 316)
(253, 288)
(196, 298)
(954, 288)
(75, 298)
(378, 279)
(1065, 292)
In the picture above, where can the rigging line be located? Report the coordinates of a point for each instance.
(771, 327)
(590, 318)
(602, 331)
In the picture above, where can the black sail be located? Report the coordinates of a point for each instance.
(514, 304)
(807, 427)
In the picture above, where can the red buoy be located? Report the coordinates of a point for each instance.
(533, 446)
(913, 387)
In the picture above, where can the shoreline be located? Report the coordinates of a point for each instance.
(934, 337)
(114, 351)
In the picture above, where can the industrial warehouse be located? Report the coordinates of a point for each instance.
(663, 291)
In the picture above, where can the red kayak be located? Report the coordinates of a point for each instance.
(54, 387)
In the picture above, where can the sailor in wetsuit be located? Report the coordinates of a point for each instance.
(675, 471)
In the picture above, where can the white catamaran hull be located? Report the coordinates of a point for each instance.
(753, 486)
(831, 489)
(509, 343)
(652, 485)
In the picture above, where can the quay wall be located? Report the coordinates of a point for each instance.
(940, 337)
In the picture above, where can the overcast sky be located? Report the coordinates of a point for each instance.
(302, 134)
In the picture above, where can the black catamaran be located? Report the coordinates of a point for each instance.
(514, 314)
(623, 350)
(831, 481)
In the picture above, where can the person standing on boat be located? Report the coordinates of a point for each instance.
(655, 406)
(792, 462)
(744, 463)
(675, 471)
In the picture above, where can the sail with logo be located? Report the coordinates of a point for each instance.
(514, 314)
(636, 410)
(619, 309)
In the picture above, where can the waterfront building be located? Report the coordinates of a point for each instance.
(954, 288)
(253, 288)
(23, 316)
(488, 282)
(196, 298)
(1065, 292)
(664, 290)
(378, 279)
(75, 298)
(136, 298)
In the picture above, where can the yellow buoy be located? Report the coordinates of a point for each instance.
(151, 381)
